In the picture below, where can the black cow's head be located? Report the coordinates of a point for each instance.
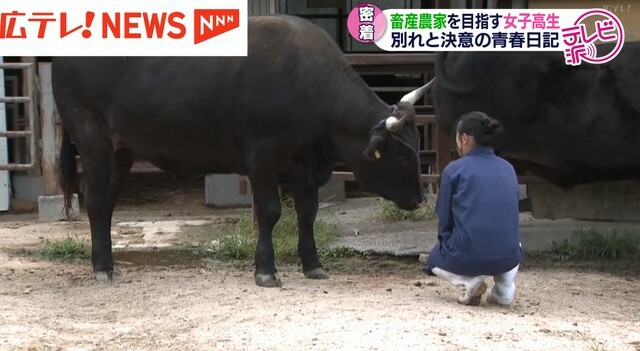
(392, 162)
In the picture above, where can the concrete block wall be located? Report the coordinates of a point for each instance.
(227, 190)
(611, 201)
(50, 208)
(232, 190)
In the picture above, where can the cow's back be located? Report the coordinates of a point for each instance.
(573, 123)
(206, 104)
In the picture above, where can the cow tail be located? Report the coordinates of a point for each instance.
(67, 172)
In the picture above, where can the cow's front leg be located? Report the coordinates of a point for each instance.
(306, 204)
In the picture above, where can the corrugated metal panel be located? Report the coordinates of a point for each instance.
(262, 7)
(5, 197)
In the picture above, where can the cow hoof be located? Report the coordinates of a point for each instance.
(103, 276)
(316, 273)
(268, 280)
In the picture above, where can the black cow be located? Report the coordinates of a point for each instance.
(283, 116)
(568, 124)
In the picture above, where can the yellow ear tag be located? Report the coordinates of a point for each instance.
(377, 154)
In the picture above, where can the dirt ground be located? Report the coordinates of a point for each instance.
(169, 300)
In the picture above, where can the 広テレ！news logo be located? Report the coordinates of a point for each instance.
(573, 32)
(123, 28)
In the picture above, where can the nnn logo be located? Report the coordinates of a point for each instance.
(211, 23)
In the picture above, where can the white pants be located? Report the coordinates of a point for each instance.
(503, 291)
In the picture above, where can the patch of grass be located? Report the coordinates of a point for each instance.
(285, 234)
(240, 242)
(563, 251)
(594, 244)
(337, 252)
(67, 249)
(389, 212)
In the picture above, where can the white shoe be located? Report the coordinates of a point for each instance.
(472, 295)
(504, 290)
(504, 297)
(474, 286)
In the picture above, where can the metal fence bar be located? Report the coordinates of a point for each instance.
(29, 76)
(16, 167)
(15, 65)
(31, 110)
(16, 134)
(31, 88)
(20, 99)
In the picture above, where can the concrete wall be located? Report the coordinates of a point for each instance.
(612, 201)
(231, 190)
(628, 11)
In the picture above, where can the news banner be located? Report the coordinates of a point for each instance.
(574, 32)
(220, 28)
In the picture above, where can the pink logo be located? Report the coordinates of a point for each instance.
(580, 40)
(366, 23)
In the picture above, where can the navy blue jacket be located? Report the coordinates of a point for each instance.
(478, 216)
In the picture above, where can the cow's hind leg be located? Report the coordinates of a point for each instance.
(104, 171)
(306, 204)
(268, 213)
(267, 206)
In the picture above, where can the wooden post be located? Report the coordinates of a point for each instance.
(443, 150)
(477, 4)
(242, 185)
(442, 4)
(50, 139)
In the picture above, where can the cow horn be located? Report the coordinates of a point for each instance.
(413, 96)
(393, 124)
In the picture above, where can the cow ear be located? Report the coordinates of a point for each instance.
(375, 149)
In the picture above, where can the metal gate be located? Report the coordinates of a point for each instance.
(30, 113)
